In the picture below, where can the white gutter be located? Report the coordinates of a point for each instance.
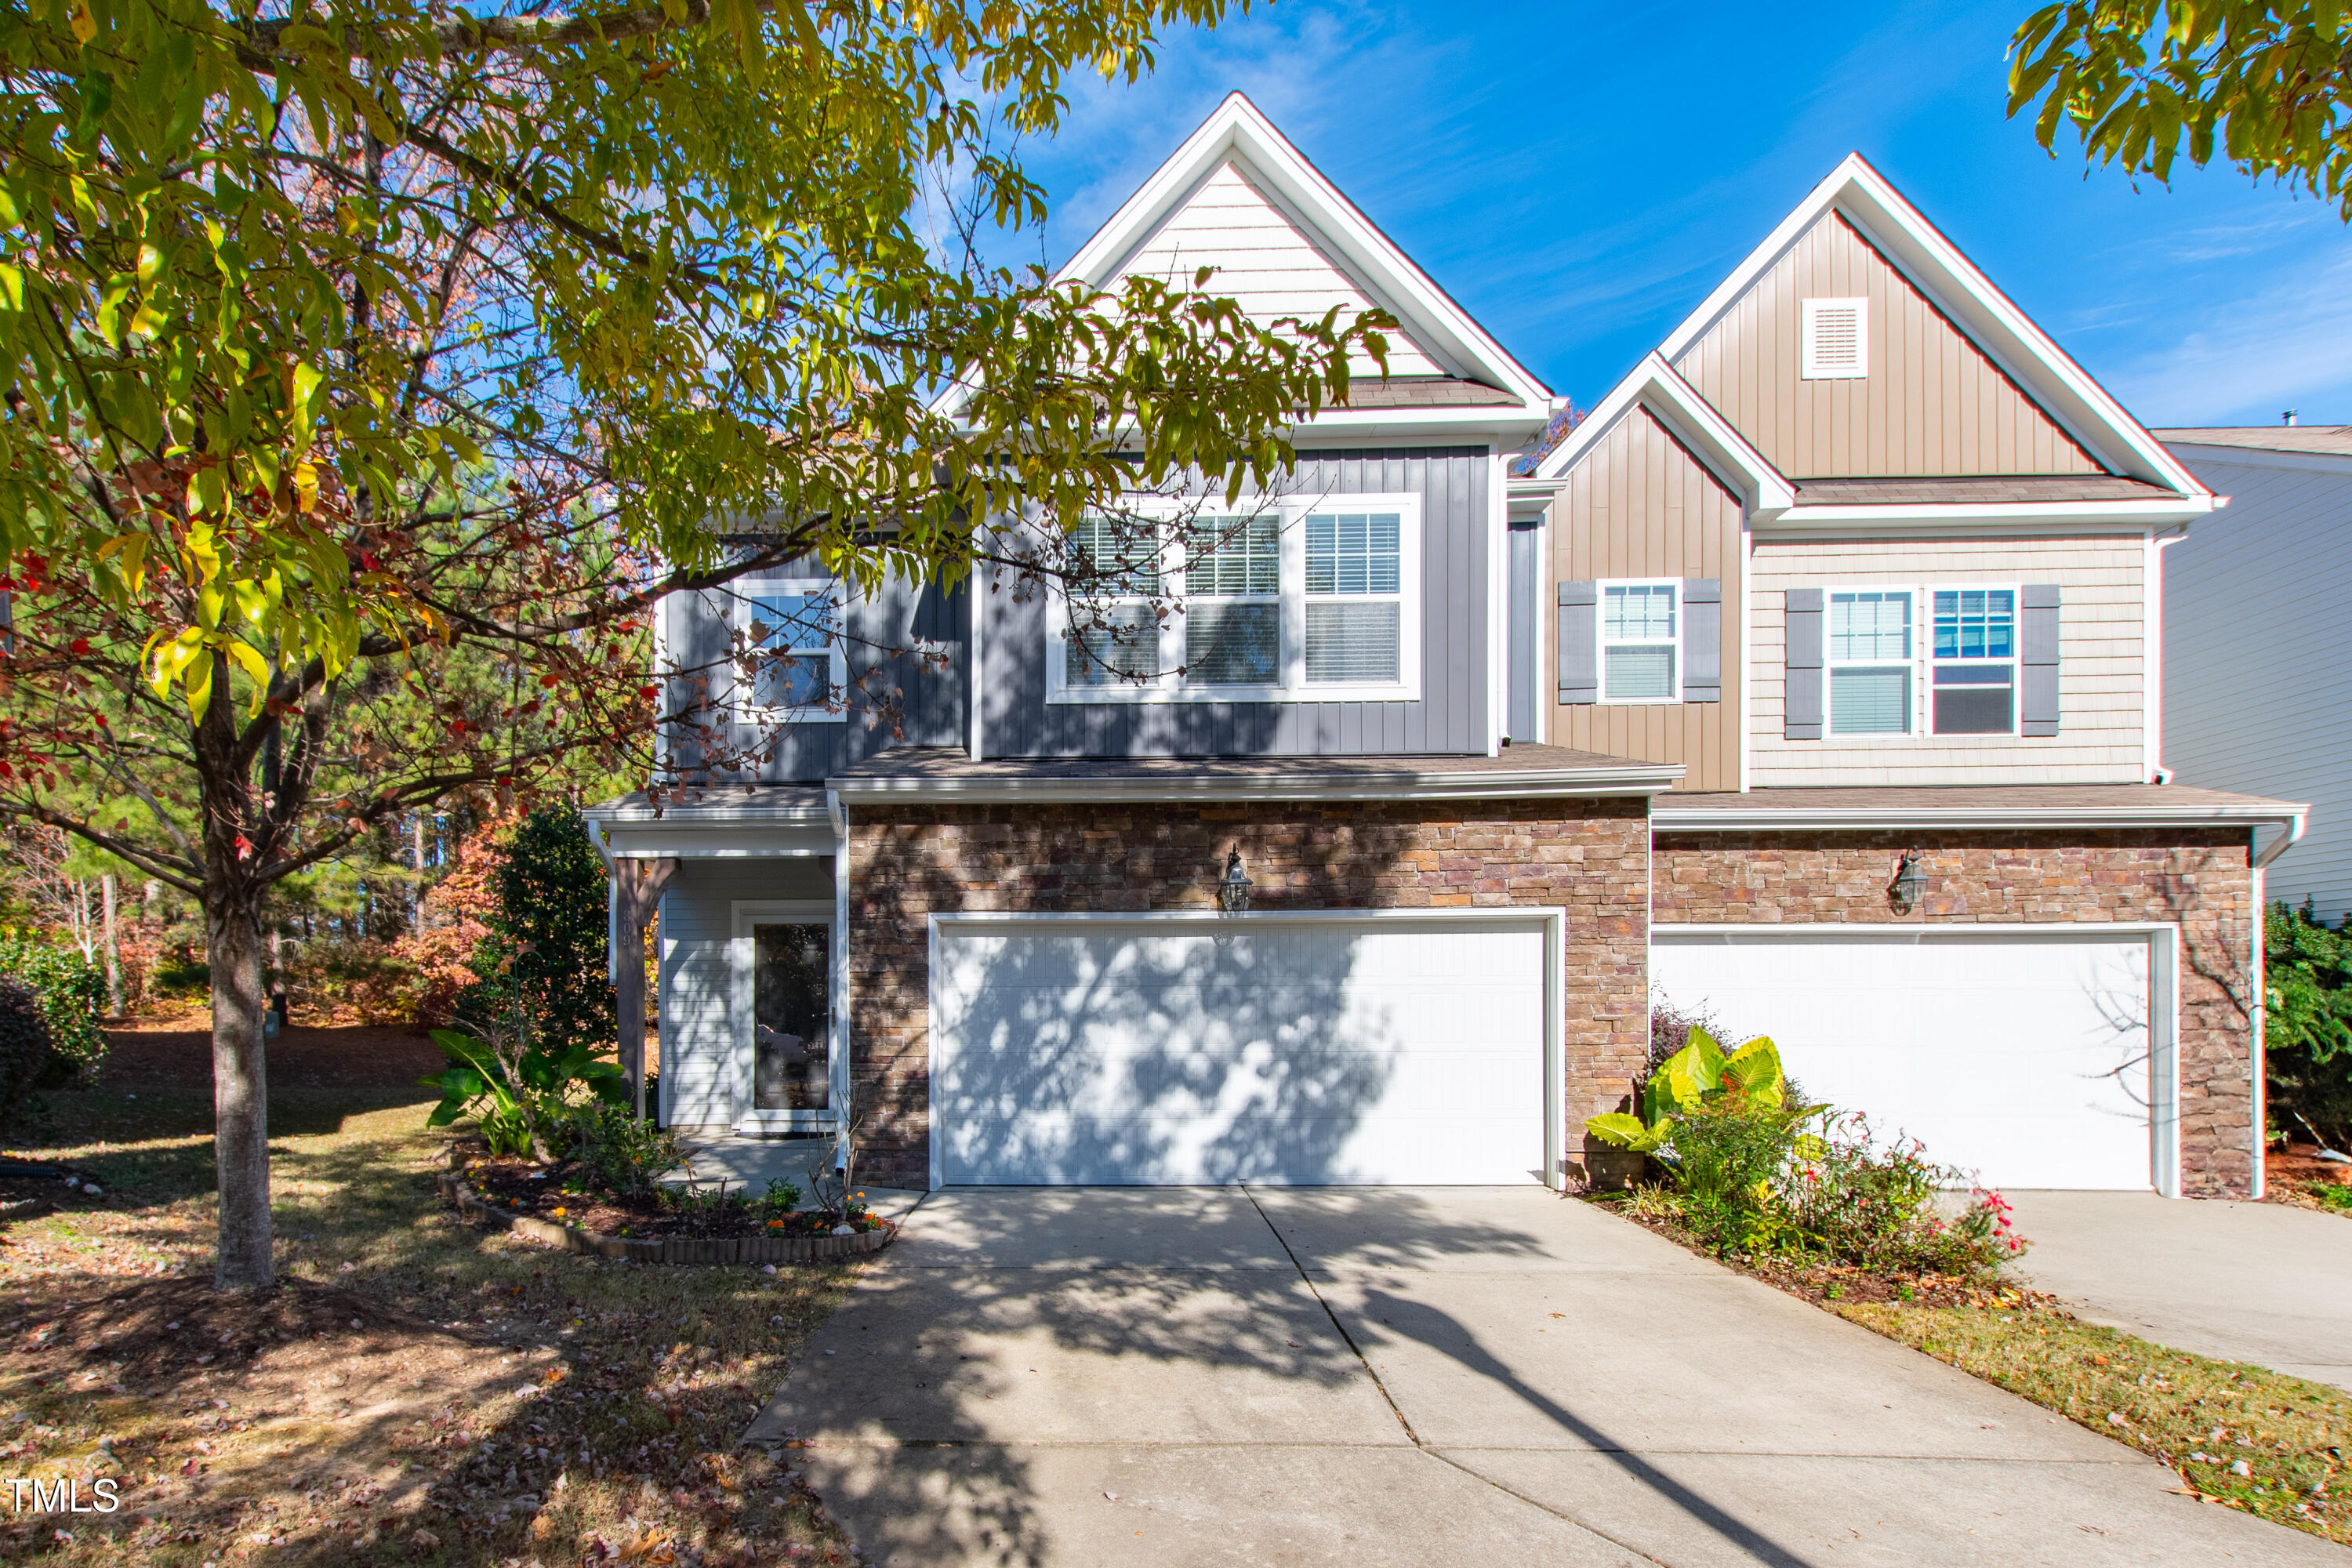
(2284, 842)
(2135, 514)
(1701, 819)
(1490, 784)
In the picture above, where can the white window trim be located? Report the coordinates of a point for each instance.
(1600, 640)
(1811, 368)
(2016, 660)
(1293, 688)
(1830, 665)
(837, 675)
(742, 956)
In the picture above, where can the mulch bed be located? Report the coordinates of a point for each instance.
(175, 1052)
(2289, 1174)
(1834, 1284)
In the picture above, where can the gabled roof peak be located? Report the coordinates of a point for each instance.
(1954, 285)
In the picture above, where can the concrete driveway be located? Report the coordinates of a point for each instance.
(1356, 1376)
(2253, 1282)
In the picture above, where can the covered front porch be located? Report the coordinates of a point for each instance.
(750, 981)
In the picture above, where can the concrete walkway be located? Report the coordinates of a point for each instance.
(1352, 1376)
(2253, 1282)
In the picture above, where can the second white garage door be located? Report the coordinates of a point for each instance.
(2033, 1058)
(1276, 1048)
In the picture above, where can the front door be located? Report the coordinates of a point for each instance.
(791, 1070)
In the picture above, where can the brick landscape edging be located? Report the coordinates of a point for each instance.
(663, 1249)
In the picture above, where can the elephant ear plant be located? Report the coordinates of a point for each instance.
(518, 1085)
(1700, 1078)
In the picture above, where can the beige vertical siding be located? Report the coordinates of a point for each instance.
(1932, 403)
(1638, 504)
(2102, 654)
(1264, 263)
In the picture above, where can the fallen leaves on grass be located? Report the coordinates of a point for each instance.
(418, 1392)
(2242, 1436)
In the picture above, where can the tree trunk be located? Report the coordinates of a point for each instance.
(639, 884)
(108, 902)
(240, 1085)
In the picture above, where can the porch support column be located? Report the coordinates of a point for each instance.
(637, 886)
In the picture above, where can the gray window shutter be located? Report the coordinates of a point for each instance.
(1702, 639)
(2037, 650)
(1801, 720)
(1579, 642)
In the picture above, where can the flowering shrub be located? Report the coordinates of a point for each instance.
(1883, 1208)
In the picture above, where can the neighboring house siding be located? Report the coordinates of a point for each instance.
(1639, 504)
(896, 696)
(2257, 612)
(1265, 262)
(1932, 403)
(698, 916)
(2102, 675)
(1451, 717)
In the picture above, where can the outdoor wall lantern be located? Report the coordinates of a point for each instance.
(1908, 880)
(1233, 893)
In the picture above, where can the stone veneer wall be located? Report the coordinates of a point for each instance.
(908, 863)
(2200, 878)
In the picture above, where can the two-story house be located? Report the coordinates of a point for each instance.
(1810, 683)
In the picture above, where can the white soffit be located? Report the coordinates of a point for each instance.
(1657, 386)
(1935, 267)
(1237, 132)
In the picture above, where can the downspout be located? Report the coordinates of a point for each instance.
(839, 815)
(2260, 986)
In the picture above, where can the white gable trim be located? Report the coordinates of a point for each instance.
(1439, 326)
(1952, 283)
(1655, 385)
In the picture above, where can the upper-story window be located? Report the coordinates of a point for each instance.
(1974, 660)
(1355, 597)
(1870, 661)
(1279, 600)
(792, 650)
(1232, 601)
(1640, 642)
(1116, 637)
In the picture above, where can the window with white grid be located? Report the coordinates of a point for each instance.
(1870, 661)
(1640, 642)
(1355, 597)
(792, 664)
(1232, 601)
(1113, 632)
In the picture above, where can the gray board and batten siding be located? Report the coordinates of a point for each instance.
(897, 698)
(2257, 613)
(1449, 717)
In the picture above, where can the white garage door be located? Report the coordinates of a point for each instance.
(2023, 1058)
(1266, 1049)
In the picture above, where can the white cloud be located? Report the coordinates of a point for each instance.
(2246, 359)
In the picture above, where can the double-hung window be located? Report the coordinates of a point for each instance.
(1870, 661)
(793, 664)
(1275, 601)
(1113, 636)
(1232, 601)
(1355, 598)
(1974, 662)
(1640, 642)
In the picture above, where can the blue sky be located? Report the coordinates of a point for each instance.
(1580, 176)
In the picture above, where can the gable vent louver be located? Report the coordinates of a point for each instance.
(1837, 339)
